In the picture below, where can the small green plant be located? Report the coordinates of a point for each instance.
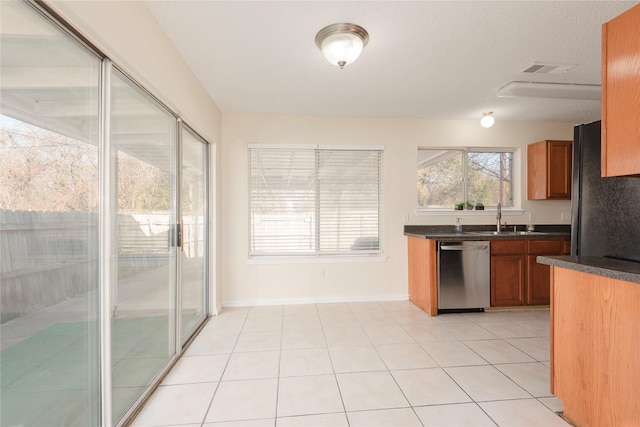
(479, 206)
(468, 205)
(459, 206)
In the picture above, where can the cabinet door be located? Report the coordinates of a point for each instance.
(508, 247)
(559, 170)
(544, 247)
(537, 171)
(549, 170)
(621, 94)
(423, 284)
(538, 283)
(507, 280)
(418, 272)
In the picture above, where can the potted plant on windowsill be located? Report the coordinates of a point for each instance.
(468, 205)
(479, 206)
(459, 206)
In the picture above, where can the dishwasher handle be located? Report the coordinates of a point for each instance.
(463, 248)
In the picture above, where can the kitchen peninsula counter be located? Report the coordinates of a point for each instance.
(595, 350)
(628, 271)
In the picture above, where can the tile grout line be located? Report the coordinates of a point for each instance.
(335, 374)
(535, 361)
(414, 340)
(396, 381)
(215, 391)
(279, 368)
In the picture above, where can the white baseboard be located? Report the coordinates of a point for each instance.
(321, 300)
(218, 309)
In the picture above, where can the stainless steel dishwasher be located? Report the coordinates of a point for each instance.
(464, 278)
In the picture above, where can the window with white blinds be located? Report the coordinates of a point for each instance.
(308, 200)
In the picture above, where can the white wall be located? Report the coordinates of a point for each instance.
(245, 283)
(130, 36)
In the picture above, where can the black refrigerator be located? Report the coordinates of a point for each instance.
(605, 211)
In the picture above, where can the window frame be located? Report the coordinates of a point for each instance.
(319, 255)
(490, 210)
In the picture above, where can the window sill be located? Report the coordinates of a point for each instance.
(327, 259)
(466, 212)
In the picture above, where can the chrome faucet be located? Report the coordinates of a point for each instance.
(498, 218)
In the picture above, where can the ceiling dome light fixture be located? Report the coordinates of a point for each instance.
(342, 44)
(487, 120)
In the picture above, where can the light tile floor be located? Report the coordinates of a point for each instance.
(360, 364)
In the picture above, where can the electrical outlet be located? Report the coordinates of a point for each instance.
(564, 216)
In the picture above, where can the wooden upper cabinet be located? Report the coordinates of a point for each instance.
(621, 94)
(549, 170)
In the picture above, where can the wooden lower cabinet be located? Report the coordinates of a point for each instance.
(423, 274)
(507, 280)
(538, 283)
(595, 355)
(538, 275)
(516, 277)
(508, 272)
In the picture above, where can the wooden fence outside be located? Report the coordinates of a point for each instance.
(50, 257)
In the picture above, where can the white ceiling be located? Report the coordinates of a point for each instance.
(425, 59)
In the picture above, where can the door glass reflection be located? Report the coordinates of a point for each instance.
(48, 224)
(143, 299)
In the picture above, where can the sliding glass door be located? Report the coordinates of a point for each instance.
(193, 254)
(143, 298)
(48, 224)
(103, 230)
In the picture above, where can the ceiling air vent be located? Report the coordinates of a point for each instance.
(540, 68)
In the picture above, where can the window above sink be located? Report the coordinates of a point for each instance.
(486, 176)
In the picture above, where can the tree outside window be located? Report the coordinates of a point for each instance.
(448, 177)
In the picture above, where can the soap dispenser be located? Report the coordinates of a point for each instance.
(458, 226)
(532, 219)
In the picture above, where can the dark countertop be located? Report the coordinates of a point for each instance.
(447, 232)
(628, 271)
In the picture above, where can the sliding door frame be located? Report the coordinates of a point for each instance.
(183, 127)
(107, 187)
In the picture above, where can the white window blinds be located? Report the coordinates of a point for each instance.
(315, 200)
